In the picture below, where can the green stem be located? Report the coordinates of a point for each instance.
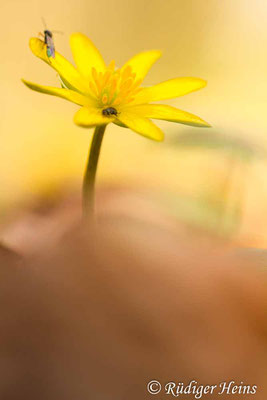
(90, 172)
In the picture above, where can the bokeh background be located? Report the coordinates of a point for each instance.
(213, 179)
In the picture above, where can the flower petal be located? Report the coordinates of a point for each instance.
(86, 55)
(91, 116)
(142, 62)
(169, 89)
(65, 69)
(67, 94)
(140, 124)
(168, 113)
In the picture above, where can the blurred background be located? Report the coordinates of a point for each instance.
(212, 179)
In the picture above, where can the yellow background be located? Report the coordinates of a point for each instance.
(224, 42)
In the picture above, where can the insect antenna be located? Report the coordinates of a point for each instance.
(44, 23)
(62, 33)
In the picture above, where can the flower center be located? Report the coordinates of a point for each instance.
(114, 86)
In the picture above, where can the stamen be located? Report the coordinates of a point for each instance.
(106, 77)
(100, 78)
(126, 73)
(113, 83)
(94, 74)
(104, 98)
(112, 90)
(126, 84)
(93, 88)
(136, 91)
(126, 94)
(114, 87)
(137, 83)
(130, 100)
(111, 65)
(117, 101)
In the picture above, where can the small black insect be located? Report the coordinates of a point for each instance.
(109, 111)
(50, 47)
(49, 40)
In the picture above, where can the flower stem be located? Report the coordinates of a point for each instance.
(90, 172)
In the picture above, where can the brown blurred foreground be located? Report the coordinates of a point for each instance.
(98, 311)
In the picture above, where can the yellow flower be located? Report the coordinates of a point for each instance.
(109, 94)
